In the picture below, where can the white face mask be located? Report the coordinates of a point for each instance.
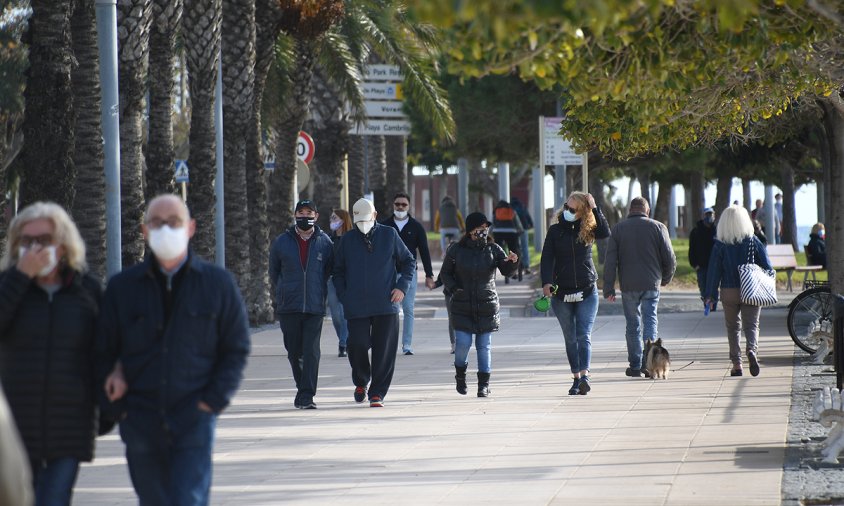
(365, 226)
(400, 214)
(168, 243)
(569, 216)
(53, 261)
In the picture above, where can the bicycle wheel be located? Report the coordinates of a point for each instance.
(810, 318)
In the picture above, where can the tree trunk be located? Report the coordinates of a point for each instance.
(789, 213)
(663, 197)
(162, 88)
(377, 165)
(201, 29)
(745, 194)
(834, 126)
(49, 173)
(395, 149)
(695, 204)
(289, 123)
(644, 178)
(331, 136)
(356, 166)
(238, 50)
(133, 30)
(257, 294)
(722, 196)
(89, 204)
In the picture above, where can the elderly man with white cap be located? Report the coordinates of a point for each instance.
(372, 273)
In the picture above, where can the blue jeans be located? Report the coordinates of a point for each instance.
(166, 466)
(483, 343)
(525, 252)
(455, 232)
(640, 313)
(576, 320)
(53, 481)
(338, 319)
(407, 308)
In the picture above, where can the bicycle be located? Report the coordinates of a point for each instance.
(810, 318)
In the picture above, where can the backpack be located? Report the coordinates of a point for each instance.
(505, 214)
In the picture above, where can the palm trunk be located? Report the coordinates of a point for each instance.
(201, 29)
(834, 126)
(238, 50)
(377, 169)
(357, 160)
(162, 89)
(89, 204)
(282, 193)
(48, 126)
(133, 22)
(789, 214)
(331, 136)
(395, 149)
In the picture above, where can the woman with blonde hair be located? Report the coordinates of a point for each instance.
(340, 223)
(567, 263)
(48, 313)
(734, 243)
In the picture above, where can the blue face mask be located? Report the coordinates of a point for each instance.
(569, 216)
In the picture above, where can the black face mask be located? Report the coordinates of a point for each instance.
(305, 222)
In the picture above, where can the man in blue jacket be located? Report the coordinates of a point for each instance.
(414, 237)
(372, 273)
(300, 264)
(172, 344)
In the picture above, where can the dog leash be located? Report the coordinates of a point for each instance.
(687, 365)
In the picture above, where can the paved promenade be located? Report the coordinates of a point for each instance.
(701, 437)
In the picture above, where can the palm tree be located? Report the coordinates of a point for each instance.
(238, 53)
(49, 121)
(133, 22)
(395, 150)
(89, 204)
(167, 15)
(201, 31)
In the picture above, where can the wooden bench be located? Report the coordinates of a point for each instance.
(782, 258)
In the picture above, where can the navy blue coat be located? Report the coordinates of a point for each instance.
(198, 355)
(365, 279)
(724, 262)
(300, 289)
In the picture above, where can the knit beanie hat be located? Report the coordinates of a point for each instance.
(475, 220)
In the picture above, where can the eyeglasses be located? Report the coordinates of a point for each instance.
(44, 240)
(400, 204)
(172, 222)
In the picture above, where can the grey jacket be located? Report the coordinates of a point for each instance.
(640, 251)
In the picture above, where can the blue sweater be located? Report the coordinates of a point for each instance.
(364, 279)
(724, 262)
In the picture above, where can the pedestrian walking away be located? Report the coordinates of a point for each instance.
(372, 273)
(566, 264)
(173, 332)
(468, 273)
(640, 254)
(506, 230)
(527, 224)
(448, 222)
(340, 223)
(701, 241)
(300, 264)
(414, 237)
(48, 321)
(734, 239)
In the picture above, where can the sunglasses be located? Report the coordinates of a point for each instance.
(567, 208)
(44, 240)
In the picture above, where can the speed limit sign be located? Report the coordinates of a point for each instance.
(305, 147)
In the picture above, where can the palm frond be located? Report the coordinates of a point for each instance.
(342, 69)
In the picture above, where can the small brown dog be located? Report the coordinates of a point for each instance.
(657, 360)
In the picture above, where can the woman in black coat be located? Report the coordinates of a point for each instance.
(48, 312)
(468, 273)
(567, 263)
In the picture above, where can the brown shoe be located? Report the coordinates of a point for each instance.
(736, 372)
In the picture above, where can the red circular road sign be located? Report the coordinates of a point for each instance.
(305, 147)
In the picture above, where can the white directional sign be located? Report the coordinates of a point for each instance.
(556, 149)
(382, 91)
(385, 109)
(383, 73)
(383, 127)
(182, 175)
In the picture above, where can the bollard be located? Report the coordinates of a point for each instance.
(838, 340)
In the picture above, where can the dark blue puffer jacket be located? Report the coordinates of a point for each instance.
(300, 289)
(364, 279)
(724, 262)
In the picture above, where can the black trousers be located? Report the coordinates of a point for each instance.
(301, 340)
(381, 334)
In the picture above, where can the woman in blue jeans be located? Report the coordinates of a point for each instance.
(468, 273)
(567, 263)
(340, 223)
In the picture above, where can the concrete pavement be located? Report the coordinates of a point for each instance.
(700, 437)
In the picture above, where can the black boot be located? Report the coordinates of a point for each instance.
(460, 376)
(483, 384)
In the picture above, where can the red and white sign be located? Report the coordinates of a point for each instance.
(305, 147)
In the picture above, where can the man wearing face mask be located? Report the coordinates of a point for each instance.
(300, 264)
(176, 326)
(701, 241)
(415, 238)
(372, 273)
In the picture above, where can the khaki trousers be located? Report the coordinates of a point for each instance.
(738, 316)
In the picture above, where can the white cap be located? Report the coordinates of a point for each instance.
(363, 210)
